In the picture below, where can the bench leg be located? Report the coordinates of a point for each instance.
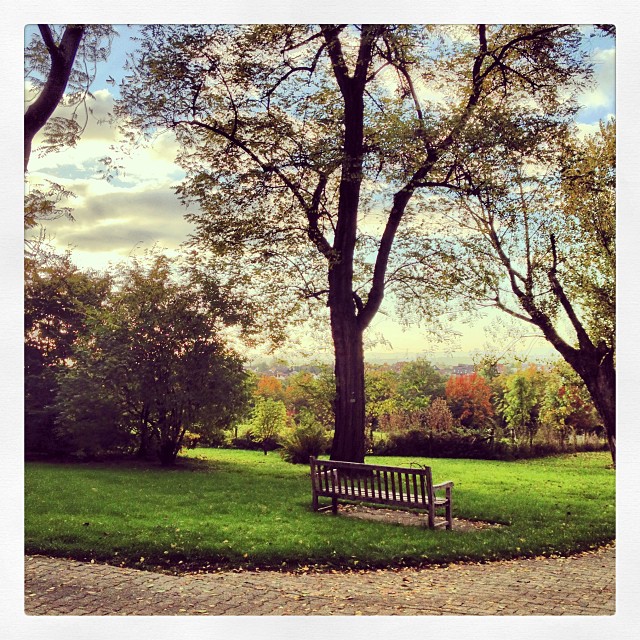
(448, 510)
(314, 502)
(334, 506)
(432, 513)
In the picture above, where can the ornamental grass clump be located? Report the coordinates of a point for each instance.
(307, 438)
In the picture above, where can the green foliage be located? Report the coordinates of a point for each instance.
(532, 411)
(307, 438)
(44, 204)
(520, 405)
(291, 134)
(92, 417)
(588, 187)
(419, 382)
(381, 394)
(58, 297)
(457, 442)
(566, 407)
(306, 392)
(268, 421)
(536, 239)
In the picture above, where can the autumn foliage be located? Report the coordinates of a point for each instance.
(469, 397)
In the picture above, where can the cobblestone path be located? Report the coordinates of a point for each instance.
(579, 585)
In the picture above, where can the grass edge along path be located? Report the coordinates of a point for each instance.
(222, 509)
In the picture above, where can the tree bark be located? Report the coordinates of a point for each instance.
(167, 453)
(600, 379)
(349, 404)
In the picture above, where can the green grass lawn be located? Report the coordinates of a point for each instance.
(244, 509)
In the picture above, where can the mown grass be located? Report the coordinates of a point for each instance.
(227, 508)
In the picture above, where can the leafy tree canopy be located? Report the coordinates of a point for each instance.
(158, 351)
(537, 240)
(310, 152)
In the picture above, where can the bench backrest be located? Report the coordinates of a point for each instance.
(393, 485)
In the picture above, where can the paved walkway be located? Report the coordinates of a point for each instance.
(579, 585)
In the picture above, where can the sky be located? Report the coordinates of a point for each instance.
(139, 209)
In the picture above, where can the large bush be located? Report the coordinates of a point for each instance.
(149, 367)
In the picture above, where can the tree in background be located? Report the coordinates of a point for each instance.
(439, 418)
(380, 385)
(419, 382)
(305, 391)
(269, 420)
(520, 405)
(292, 136)
(469, 398)
(269, 387)
(567, 408)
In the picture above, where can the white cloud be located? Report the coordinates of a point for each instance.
(107, 225)
(111, 218)
(603, 92)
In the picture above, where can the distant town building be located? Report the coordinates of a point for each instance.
(463, 369)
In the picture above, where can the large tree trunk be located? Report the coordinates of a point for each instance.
(167, 453)
(349, 437)
(601, 383)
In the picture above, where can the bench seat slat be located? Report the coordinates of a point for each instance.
(347, 493)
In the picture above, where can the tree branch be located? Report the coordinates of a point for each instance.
(334, 48)
(47, 38)
(293, 70)
(583, 338)
(313, 216)
(62, 59)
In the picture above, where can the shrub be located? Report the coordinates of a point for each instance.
(218, 438)
(307, 438)
(463, 443)
(190, 440)
(268, 421)
(458, 442)
(248, 440)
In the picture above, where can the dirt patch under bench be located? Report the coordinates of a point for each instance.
(408, 518)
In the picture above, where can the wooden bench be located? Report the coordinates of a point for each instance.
(377, 484)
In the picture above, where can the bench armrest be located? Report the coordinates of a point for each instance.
(443, 485)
